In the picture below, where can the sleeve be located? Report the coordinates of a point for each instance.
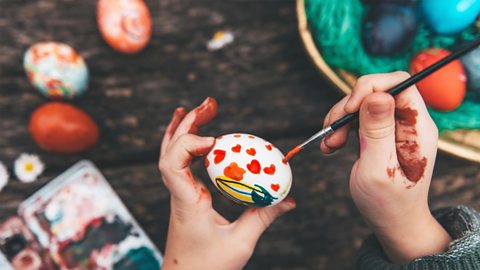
(463, 225)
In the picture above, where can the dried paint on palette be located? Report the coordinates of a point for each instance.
(83, 224)
(249, 170)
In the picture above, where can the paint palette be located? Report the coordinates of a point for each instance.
(82, 224)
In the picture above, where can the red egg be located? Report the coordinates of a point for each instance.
(125, 25)
(63, 128)
(443, 90)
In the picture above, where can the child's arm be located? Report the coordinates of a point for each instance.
(390, 181)
(198, 236)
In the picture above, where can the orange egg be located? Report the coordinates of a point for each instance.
(444, 89)
(63, 128)
(125, 25)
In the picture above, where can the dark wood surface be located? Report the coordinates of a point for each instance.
(265, 85)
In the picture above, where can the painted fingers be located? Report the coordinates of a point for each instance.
(180, 145)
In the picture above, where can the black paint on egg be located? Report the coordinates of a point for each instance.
(471, 63)
(389, 28)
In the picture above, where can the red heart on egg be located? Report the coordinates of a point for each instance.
(219, 156)
(269, 170)
(275, 187)
(254, 167)
(251, 152)
(237, 148)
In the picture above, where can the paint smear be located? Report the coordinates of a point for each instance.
(412, 164)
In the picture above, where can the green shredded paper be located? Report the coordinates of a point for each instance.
(336, 27)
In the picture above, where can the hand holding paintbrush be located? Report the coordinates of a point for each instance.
(393, 91)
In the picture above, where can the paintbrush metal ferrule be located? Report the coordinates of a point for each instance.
(318, 136)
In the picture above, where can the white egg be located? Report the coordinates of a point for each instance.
(249, 170)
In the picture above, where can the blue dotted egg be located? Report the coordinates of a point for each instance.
(448, 17)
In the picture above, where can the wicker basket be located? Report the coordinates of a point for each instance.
(461, 143)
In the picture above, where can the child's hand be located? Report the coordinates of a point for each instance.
(389, 182)
(199, 237)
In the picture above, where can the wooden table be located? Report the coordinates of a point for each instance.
(265, 85)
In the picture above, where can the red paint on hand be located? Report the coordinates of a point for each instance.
(237, 148)
(270, 170)
(275, 187)
(234, 172)
(251, 152)
(411, 163)
(254, 167)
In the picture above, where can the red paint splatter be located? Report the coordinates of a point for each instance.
(251, 152)
(270, 170)
(189, 175)
(234, 172)
(391, 172)
(292, 153)
(275, 187)
(269, 147)
(237, 135)
(207, 162)
(219, 156)
(254, 167)
(251, 137)
(237, 148)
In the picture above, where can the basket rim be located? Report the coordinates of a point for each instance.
(445, 143)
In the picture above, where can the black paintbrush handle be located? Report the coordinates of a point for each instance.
(414, 79)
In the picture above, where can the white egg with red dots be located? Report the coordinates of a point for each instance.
(249, 170)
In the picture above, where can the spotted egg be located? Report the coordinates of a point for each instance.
(249, 170)
(471, 62)
(388, 28)
(444, 89)
(125, 25)
(56, 70)
(448, 17)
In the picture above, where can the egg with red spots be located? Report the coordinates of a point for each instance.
(249, 170)
(126, 25)
(445, 89)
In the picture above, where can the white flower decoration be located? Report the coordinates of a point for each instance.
(220, 39)
(3, 176)
(28, 167)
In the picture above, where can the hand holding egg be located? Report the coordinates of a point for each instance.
(192, 218)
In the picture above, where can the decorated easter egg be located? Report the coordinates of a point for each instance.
(388, 28)
(449, 16)
(471, 63)
(63, 128)
(56, 70)
(444, 89)
(124, 24)
(249, 170)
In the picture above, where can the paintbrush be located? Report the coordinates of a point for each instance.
(393, 91)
